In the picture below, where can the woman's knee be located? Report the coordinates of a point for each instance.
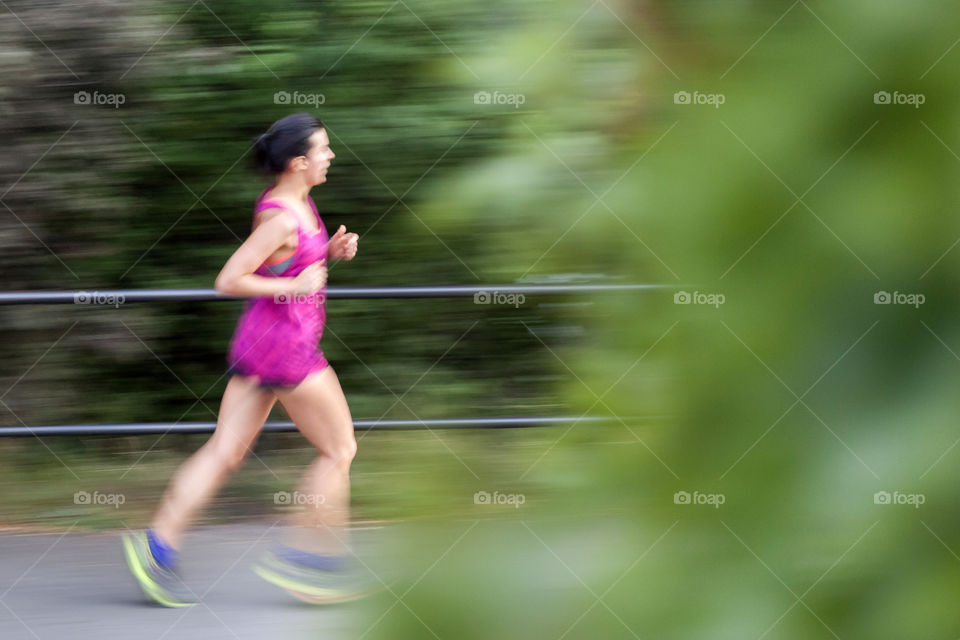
(342, 452)
(228, 456)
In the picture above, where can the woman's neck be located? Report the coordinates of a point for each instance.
(292, 188)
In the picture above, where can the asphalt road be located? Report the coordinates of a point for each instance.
(77, 586)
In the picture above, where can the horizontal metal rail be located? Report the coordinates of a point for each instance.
(487, 293)
(139, 428)
(483, 293)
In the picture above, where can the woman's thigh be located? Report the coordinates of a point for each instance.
(319, 409)
(243, 410)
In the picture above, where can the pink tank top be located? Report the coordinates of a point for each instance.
(277, 337)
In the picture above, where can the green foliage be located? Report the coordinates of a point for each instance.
(799, 199)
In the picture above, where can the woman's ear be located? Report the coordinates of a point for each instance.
(299, 163)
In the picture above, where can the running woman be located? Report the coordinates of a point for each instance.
(273, 356)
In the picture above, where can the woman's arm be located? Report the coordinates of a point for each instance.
(237, 276)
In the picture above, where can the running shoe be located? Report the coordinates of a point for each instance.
(160, 584)
(316, 586)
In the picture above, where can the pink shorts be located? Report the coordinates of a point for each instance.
(266, 383)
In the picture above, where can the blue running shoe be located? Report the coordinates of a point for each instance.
(160, 584)
(316, 586)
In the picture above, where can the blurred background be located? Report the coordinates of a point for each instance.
(783, 424)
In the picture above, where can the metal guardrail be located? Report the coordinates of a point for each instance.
(123, 296)
(166, 295)
(141, 428)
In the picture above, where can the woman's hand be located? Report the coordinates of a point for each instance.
(343, 245)
(311, 279)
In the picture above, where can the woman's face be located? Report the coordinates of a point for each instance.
(319, 157)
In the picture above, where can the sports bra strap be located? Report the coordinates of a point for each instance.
(270, 204)
(263, 206)
(273, 204)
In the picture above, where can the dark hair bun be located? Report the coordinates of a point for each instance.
(286, 139)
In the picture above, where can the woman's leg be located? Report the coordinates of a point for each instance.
(243, 410)
(318, 408)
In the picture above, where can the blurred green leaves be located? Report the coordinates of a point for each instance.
(799, 199)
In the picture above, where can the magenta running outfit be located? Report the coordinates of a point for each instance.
(277, 337)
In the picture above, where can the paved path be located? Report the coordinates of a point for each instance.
(77, 586)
